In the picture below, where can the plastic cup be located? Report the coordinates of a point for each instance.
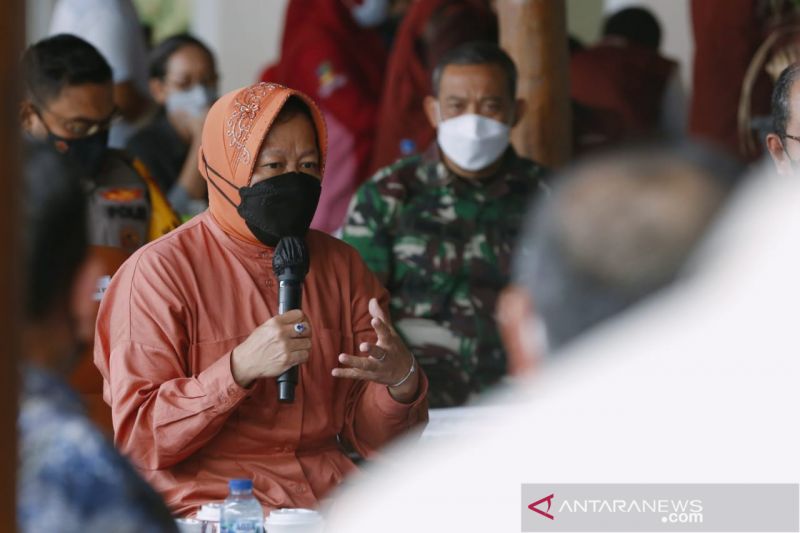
(189, 525)
(294, 521)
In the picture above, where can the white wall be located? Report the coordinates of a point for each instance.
(37, 19)
(245, 35)
(584, 19)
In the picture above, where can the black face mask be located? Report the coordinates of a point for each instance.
(277, 207)
(88, 152)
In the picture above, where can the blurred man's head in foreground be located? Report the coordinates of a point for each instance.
(617, 228)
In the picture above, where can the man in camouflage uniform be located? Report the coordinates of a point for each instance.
(438, 228)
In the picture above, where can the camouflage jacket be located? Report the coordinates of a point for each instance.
(442, 246)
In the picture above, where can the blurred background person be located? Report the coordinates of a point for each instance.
(635, 92)
(438, 228)
(69, 478)
(183, 82)
(112, 26)
(783, 143)
(430, 29)
(388, 28)
(68, 103)
(332, 51)
(615, 230)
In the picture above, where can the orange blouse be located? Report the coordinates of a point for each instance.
(165, 332)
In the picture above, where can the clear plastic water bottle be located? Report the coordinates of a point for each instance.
(241, 512)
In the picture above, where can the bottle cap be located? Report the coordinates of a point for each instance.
(240, 484)
(407, 147)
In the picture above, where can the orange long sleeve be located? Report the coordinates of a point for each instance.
(166, 328)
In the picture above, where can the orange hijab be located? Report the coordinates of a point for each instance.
(233, 133)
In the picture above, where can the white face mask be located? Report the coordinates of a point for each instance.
(473, 142)
(194, 101)
(371, 13)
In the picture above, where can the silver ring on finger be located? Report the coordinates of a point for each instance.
(299, 328)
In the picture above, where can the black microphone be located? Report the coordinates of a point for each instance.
(290, 264)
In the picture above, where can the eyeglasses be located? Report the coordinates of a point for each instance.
(792, 137)
(80, 127)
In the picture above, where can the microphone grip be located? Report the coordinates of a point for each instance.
(290, 294)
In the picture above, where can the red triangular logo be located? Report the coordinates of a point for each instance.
(546, 514)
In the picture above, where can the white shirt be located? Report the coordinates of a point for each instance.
(699, 385)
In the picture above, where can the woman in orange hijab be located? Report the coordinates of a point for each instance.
(189, 339)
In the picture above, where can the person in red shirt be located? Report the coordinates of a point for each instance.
(631, 90)
(332, 51)
(727, 34)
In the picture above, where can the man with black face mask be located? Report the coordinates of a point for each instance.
(69, 103)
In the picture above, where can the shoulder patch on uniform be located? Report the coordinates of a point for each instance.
(120, 194)
(329, 80)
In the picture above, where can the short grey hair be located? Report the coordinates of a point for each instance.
(617, 228)
(781, 110)
(477, 53)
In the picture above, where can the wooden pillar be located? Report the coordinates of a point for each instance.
(12, 28)
(534, 33)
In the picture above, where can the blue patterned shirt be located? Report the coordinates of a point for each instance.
(70, 477)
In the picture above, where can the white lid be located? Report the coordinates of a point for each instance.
(280, 517)
(210, 512)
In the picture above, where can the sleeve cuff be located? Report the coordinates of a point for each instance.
(414, 412)
(217, 380)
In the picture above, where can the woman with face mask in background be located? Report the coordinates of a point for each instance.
(332, 51)
(190, 341)
(183, 81)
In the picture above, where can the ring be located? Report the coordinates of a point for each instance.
(299, 328)
(380, 358)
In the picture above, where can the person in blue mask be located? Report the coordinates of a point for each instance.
(183, 82)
